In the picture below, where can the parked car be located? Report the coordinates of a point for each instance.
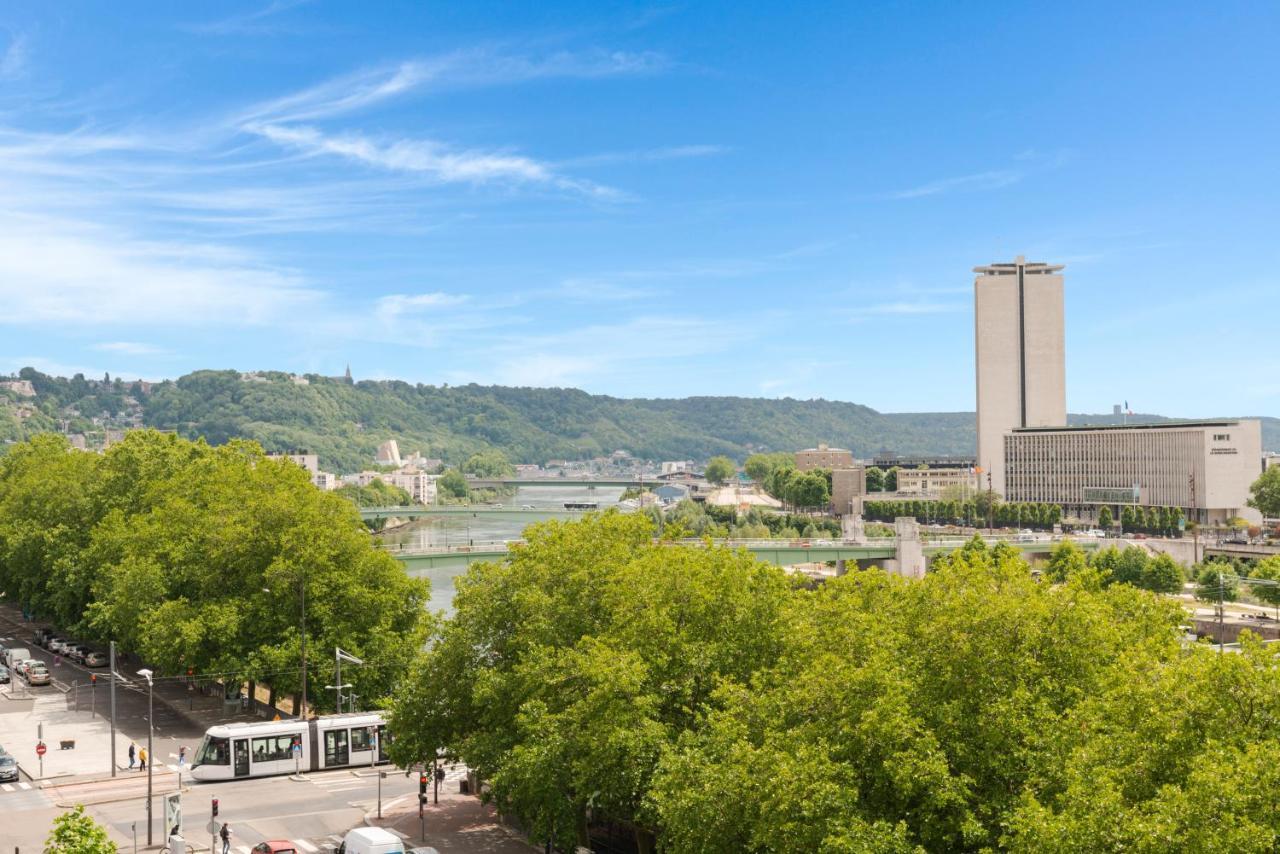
(275, 846)
(56, 644)
(14, 654)
(4, 675)
(36, 673)
(78, 652)
(8, 768)
(43, 636)
(95, 658)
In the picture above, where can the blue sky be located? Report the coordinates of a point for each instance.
(760, 200)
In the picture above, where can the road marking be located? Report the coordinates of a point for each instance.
(7, 787)
(24, 785)
(307, 846)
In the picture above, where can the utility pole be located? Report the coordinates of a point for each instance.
(1195, 530)
(1221, 593)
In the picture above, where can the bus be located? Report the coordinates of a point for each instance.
(243, 750)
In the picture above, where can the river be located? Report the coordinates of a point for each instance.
(440, 531)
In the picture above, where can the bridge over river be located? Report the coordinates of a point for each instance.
(447, 511)
(880, 551)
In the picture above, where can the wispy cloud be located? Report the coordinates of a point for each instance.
(129, 348)
(647, 155)
(67, 272)
(394, 306)
(13, 60)
(428, 158)
(249, 23)
(992, 180)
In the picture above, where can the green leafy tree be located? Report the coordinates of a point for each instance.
(1128, 519)
(1105, 520)
(1267, 570)
(875, 479)
(891, 479)
(452, 483)
(1162, 575)
(1216, 581)
(488, 464)
(76, 833)
(720, 470)
(1065, 561)
(1264, 493)
(1131, 566)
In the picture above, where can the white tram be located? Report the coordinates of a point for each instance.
(235, 751)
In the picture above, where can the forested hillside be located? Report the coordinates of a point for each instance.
(344, 422)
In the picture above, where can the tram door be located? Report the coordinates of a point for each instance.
(336, 751)
(241, 753)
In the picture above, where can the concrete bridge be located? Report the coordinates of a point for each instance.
(495, 482)
(896, 554)
(517, 514)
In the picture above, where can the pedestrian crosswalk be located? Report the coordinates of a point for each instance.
(14, 787)
(312, 845)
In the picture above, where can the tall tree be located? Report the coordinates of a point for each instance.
(875, 479)
(1105, 520)
(720, 470)
(1264, 493)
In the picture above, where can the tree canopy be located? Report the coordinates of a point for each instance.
(1264, 493)
(720, 470)
(76, 833)
(708, 704)
(198, 558)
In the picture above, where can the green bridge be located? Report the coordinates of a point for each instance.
(494, 482)
(518, 514)
(778, 552)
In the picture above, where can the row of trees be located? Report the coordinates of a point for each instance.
(880, 480)
(706, 703)
(1132, 566)
(196, 557)
(689, 518)
(976, 512)
(1162, 521)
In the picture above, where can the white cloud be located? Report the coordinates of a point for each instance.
(426, 157)
(249, 23)
(646, 155)
(72, 273)
(13, 61)
(992, 180)
(129, 348)
(394, 306)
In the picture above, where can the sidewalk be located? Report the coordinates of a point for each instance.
(459, 823)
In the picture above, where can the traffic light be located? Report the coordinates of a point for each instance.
(422, 787)
(215, 807)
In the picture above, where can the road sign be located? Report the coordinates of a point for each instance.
(40, 748)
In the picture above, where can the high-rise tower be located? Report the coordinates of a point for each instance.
(1021, 361)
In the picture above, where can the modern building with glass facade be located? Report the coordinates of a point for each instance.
(1203, 467)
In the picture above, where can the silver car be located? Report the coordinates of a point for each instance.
(8, 768)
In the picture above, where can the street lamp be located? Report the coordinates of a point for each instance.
(151, 756)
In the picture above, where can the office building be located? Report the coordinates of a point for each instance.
(930, 482)
(1020, 349)
(823, 457)
(1203, 467)
(848, 490)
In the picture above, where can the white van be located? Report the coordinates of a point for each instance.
(370, 840)
(14, 654)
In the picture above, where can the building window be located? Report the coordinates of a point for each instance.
(1222, 437)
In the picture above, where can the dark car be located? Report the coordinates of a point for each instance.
(43, 636)
(8, 767)
(4, 675)
(78, 652)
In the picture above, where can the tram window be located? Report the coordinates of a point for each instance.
(213, 751)
(273, 748)
(362, 738)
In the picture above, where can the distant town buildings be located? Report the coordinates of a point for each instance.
(1020, 354)
(676, 466)
(823, 457)
(311, 463)
(931, 482)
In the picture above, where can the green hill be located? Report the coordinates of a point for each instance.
(345, 422)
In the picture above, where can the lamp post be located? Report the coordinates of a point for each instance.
(151, 757)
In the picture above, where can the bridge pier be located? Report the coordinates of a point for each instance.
(908, 550)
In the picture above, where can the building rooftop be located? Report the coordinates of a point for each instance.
(1008, 269)
(1150, 425)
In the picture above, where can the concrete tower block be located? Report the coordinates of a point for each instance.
(910, 551)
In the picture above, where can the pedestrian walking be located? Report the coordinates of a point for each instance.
(142, 759)
(182, 755)
(133, 755)
(225, 836)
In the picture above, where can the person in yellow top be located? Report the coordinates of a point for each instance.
(142, 759)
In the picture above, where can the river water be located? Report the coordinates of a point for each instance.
(453, 531)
